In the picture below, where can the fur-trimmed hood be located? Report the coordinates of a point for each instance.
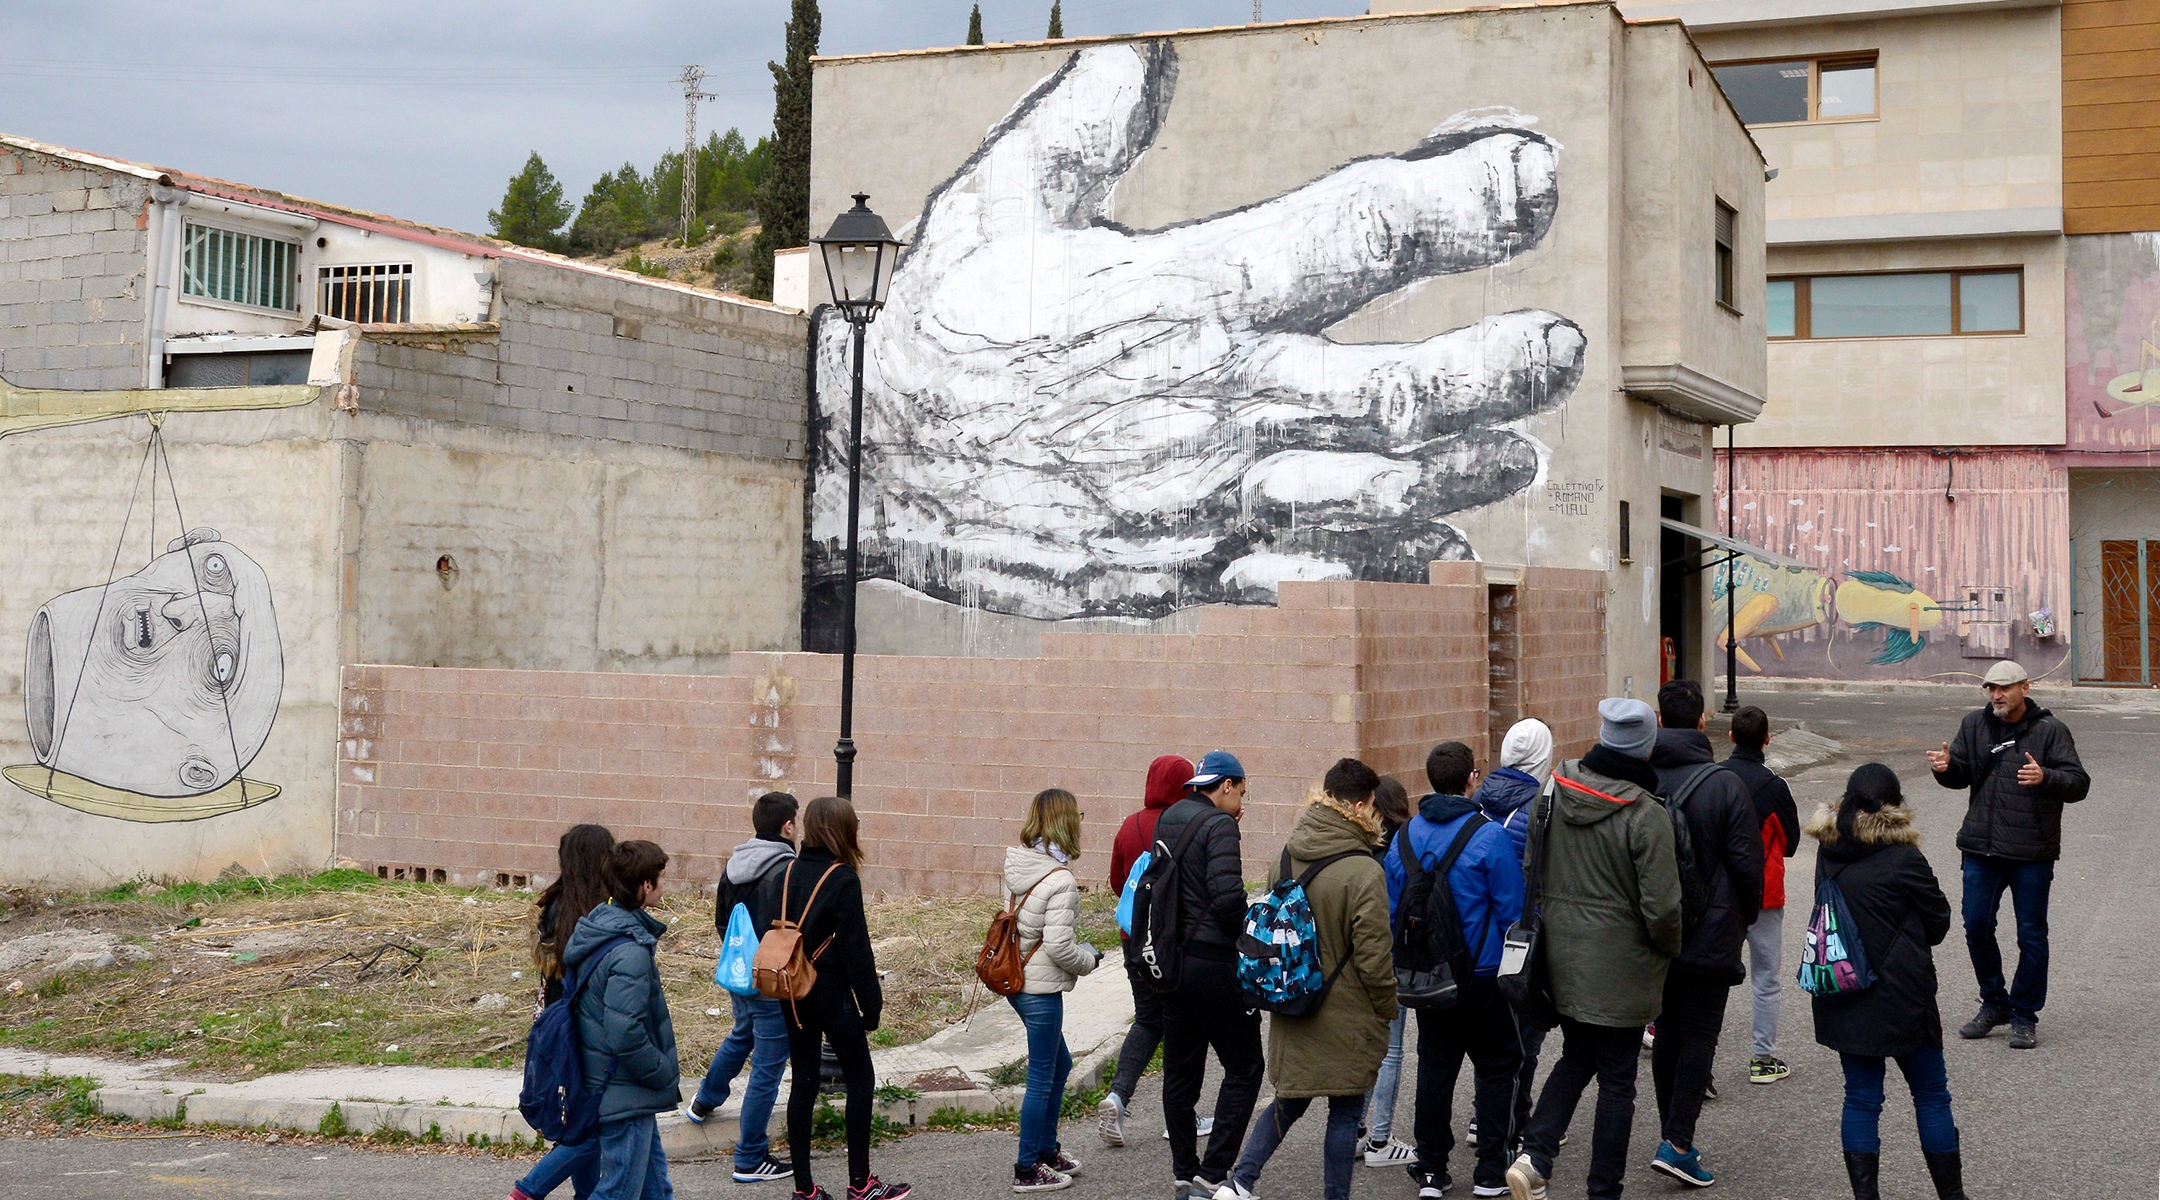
(1891, 825)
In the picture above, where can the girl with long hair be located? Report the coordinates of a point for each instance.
(580, 885)
(1046, 897)
(821, 891)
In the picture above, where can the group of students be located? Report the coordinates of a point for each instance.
(1651, 869)
(593, 938)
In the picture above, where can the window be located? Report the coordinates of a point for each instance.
(259, 369)
(373, 294)
(239, 268)
(1800, 89)
(1901, 304)
(1726, 219)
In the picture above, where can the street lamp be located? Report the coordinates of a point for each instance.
(859, 253)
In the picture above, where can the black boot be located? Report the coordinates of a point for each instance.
(1949, 1172)
(1860, 1168)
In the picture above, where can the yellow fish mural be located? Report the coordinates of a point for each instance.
(1772, 600)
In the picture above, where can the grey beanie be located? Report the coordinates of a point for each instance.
(1628, 726)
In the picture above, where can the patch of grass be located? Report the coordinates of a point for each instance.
(218, 891)
(64, 1100)
(959, 1120)
(1080, 1104)
(1011, 1074)
(828, 1127)
(893, 1093)
(333, 1123)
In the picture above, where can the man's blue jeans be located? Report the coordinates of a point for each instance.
(632, 1164)
(1049, 1062)
(1338, 1146)
(1986, 878)
(1929, 1079)
(1380, 1101)
(580, 1164)
(760, 1037)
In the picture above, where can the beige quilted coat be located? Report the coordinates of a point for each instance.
(1049, 918)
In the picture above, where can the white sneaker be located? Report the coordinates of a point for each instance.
(1394, 1154)
(1524, 1183)
(1202, 1127)
(1482, 1191)
(1231, 1189)
(1110, 1120)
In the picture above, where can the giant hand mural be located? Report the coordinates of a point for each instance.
(147, 697)
(1065, 416)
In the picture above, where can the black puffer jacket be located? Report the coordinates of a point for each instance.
(1728, 850)
(1211, 877)
(2007, 819)
(846, 970)
(1901, 913)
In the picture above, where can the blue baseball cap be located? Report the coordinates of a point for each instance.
(1215, 767)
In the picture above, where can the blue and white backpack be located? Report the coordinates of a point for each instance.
(1278, 966)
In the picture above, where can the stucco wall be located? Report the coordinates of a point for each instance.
(1250, 116)
(72, 264)
(268, 482)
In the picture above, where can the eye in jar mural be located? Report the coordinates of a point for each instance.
(1065, 416)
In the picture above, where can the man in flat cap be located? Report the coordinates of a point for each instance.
(2022, 766)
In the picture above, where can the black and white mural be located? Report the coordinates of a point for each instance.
(1065, 416)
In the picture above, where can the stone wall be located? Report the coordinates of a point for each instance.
(72, 264)
(475, 773)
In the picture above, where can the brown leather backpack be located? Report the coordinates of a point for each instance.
(1001, 966)
(780, 968)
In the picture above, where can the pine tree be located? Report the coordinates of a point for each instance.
(975, 27)
(1057, 19)
(783, 198)
(533, 209)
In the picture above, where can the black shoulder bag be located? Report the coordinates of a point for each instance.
(1525, 979)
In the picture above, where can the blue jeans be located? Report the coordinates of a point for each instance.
(1049, 1062)
(632, 1164)
(580, 1164)
(1339, 1148)
(1380, 1101)
(1929, 1079)
(760, 1037)
(1986, 878)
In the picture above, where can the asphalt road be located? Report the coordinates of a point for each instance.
(2070, 1119)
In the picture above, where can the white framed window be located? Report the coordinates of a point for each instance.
(239, 268)
(365, 293)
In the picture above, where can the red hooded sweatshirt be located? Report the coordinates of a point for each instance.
(1166, 778)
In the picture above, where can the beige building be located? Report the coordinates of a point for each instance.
(1187, 316)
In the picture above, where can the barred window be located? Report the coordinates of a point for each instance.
(368, 294)
(239, 268)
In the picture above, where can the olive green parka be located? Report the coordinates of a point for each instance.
(1611, 896)
(1337, 1051)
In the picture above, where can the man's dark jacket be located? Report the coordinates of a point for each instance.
(1210, 877)
(2005, 818)
(1777, 817)
(1728, 850)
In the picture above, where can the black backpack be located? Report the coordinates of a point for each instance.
(1431, 958)
(1695, 886)
(1158, 934)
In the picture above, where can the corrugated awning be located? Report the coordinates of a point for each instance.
(1733, 545)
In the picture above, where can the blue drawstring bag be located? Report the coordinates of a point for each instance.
(733, 970)
(1132, 884)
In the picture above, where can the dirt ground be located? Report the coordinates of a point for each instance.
(243, 977)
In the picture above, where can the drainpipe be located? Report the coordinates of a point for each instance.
(164, 244)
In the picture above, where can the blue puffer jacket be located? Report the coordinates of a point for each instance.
(624, 1032)
(1505, 796)
(1486, 882)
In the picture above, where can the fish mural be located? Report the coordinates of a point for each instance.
(1770, 600)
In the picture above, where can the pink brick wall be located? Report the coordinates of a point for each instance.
(476, 772)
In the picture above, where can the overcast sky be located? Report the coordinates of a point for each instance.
(424, 110)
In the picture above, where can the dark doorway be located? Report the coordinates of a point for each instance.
(1679, 596)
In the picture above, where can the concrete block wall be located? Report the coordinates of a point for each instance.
(73, 257)
(587, 355)
(476, 773)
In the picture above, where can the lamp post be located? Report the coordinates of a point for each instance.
(859, 253)
(1732, 561)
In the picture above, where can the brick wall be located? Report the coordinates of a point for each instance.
(1562, 619)
(73, 253)
(590, 356)
(477, 772)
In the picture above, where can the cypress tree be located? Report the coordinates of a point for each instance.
(533, 208)
(975, 26)
(1057, 19)
(783, 197)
